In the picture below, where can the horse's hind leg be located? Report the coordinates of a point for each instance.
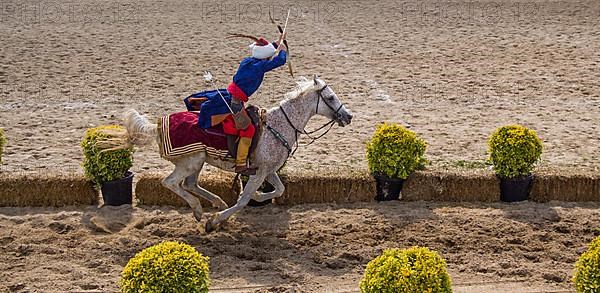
(174, 183)
(191, 184)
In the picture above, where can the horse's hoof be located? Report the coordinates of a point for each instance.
(209, 227)
(198, 215)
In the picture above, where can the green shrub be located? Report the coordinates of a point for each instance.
(514, 150)
(166, 267)
(587, 269)
(416, 269)
(2, 143)
(107, 155)
(395, 151)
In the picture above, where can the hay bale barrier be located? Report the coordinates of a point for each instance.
(473, 185)
(150, 191)
(326, 187)
(343, 187)
(43, 190)
(460, 185)
(456, 186)
(563, 185)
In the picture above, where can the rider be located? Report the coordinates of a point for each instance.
(245, 82)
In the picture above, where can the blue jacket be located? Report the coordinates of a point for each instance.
(252, 71)
(248, 78)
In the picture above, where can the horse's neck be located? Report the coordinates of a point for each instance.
(299, 110)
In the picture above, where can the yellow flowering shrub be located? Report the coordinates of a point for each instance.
(395, 151)
(103, 159)
(587, 269)
(416, 269)
(514, 150)
(166, 267)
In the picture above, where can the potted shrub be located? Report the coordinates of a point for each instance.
(587, 269)
(107, 159)
(2, 143)
(392, 154)
(416, 269)
(166, 267)
(514, 150)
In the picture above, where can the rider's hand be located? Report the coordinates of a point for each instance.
(236, 105)
(281, 38)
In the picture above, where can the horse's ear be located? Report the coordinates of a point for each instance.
(315, 79)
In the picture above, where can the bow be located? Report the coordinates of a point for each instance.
(281, 31)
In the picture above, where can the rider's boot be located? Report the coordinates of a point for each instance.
(241, 165)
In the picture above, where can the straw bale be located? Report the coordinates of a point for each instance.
(565, 185)
(46, 189)
(452, 185)
(327, 187)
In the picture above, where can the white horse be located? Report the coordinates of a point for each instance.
(283, 126)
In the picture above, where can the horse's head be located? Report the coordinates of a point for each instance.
(329, 105)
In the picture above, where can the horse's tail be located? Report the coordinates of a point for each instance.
(139, 130)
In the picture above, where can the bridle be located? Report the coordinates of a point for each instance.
(297, 132)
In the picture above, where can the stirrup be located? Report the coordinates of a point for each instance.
(245, 170)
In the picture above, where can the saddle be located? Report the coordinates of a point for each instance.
(180, 135)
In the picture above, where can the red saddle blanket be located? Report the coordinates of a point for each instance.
(179, 135)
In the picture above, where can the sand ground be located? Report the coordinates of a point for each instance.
(524, 247)
(454, 70)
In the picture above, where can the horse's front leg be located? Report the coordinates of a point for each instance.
(274, 179)
(254, 182)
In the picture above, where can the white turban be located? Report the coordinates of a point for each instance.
(262, 52)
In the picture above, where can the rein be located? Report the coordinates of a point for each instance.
(297, 132)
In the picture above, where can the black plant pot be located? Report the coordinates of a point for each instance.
(119, 191)
(515, 189)
(388, 188)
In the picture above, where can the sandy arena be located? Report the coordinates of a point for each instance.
(526, 247)
(453, 71)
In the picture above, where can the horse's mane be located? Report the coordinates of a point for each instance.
(303, 86)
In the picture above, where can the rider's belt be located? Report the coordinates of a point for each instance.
(237, 92)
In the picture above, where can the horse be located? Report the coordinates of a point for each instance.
(284, 124)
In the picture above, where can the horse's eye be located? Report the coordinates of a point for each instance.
(330, 98)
